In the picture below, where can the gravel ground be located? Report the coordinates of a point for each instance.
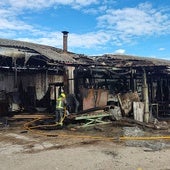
(30, 151)
(99, 157)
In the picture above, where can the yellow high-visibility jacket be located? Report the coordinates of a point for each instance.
(60, 103)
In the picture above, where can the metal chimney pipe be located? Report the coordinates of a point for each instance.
(65, 36)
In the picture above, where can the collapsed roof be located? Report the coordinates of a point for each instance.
(25, 52)
(129, 61)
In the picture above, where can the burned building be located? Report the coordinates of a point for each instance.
(120, 74)
(31, 76)
(27, 71)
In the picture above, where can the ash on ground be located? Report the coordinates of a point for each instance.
(150, 145)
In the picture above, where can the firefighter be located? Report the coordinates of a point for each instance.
(60, 108)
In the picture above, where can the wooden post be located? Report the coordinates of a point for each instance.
(145, 98)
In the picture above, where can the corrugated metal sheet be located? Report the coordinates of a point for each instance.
(129, 61)
(58, 55)
(94, 98)
(50, 52)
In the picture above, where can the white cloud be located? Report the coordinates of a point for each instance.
(52, 39)
(11, 25)
(14, 25)
(11, 10)
(91, 11)
(39, 4)
(97, 10)
(119, 51)
(161, 49)
(82, 3)
(128, 23)
(89, 40)
(117, 26)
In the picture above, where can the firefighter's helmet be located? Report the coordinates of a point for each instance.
(63, 95)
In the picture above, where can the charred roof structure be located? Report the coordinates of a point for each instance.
(32, 75)
(123, 73)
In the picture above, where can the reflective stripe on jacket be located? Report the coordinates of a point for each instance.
(60, 103)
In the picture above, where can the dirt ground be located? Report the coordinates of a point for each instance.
(78, 149)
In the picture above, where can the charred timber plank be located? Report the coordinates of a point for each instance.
(143, 124)
(91, 110)
(30, 116)
(93, 116)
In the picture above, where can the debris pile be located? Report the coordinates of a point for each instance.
(131, 110)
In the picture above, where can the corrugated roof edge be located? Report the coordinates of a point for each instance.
(57, 54)
(51, 52)
(155, 61)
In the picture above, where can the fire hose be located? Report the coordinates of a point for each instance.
(33, 129)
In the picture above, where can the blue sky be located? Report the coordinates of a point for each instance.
(133, 27)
